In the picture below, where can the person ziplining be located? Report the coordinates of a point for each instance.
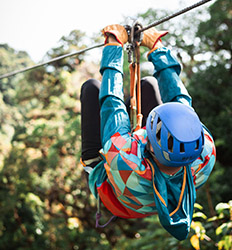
(159, 167)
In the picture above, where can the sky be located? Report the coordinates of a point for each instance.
(36, 26)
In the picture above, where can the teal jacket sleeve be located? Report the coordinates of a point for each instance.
(167, 70)
(114, 116)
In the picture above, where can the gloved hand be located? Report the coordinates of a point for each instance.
(151, 39)
(118, 31)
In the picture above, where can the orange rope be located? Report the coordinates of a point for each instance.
(139, 111)
(133, 69)
(135, 101)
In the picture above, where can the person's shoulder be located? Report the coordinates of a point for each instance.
(204, 164)
(141, 134)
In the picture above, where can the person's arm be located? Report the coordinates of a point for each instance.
(113, 112)
(114, 116)
(167, 68)
(166, 71)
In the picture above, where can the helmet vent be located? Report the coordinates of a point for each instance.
(182, 150)
(197, 145)
(152, 119)
(158, 131)
(170, 143)
(202, 135)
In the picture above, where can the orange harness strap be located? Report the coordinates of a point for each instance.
(136, 115)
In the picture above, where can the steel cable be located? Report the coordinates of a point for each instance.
(50, 61)
(162, 20)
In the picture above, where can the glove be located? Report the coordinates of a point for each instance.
(151, 39)
(118, 31)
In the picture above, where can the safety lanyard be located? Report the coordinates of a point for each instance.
(135, 99)
(135, 78)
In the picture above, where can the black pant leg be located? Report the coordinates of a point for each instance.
(150, 97)
(90, 119)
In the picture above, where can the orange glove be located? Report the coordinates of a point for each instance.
(118, 31)
(151, 39)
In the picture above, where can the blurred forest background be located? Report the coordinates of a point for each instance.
(44, 199)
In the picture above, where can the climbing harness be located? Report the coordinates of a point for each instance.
(101, 45)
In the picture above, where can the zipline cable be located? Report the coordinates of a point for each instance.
(101, 45)
(50, 61)
(162, 20)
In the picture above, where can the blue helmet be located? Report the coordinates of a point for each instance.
(175, 133)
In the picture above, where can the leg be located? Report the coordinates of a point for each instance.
(90, 120)
(150, 97)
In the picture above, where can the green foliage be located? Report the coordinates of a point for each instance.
(218, 35)
(11, 60)
(210, 87)
(152, 236)
(214, 232)
(73, 42)
(218, 88)
(43, 201)
(213, 78)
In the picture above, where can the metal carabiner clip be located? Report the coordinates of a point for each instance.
(134, 37)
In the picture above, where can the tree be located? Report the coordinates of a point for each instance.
(211, 88)
(10, 60)
(67, 44)
(40, 175)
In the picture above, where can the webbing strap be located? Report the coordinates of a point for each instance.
(133, 108)
(86, 164)
(88, 169)
(135, 101)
